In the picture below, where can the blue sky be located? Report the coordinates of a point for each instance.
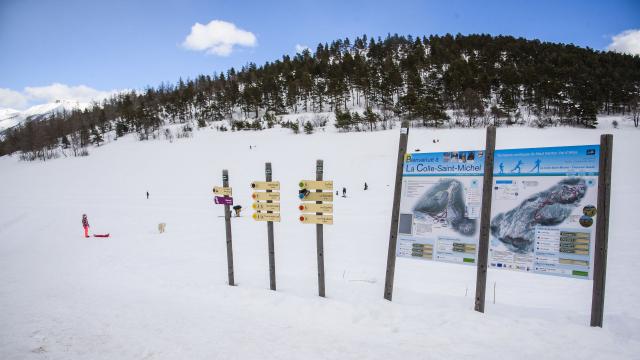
(117, 44)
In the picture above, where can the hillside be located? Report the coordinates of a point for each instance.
(433, 81)
(10, 118)
(142, 295)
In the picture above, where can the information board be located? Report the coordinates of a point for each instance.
(543, 210)
(440, 206)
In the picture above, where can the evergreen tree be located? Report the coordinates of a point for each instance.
(308, 128)
(97, 138)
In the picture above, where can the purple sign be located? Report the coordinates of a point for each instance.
(223, 200)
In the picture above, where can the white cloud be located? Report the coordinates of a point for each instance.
(218, 37)
(31, 95)
(12, 99)
(627, 42)
(301, 48)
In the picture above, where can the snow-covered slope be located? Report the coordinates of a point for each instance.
(10, 117)
(142, 295)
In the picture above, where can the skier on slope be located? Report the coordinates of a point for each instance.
(344, 192)
(366, 186)
(85, 225)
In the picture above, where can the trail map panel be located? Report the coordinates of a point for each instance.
(543, 211)
(440, 206)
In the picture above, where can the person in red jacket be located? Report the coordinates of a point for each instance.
(85, 225)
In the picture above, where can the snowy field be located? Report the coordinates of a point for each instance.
(144, 295)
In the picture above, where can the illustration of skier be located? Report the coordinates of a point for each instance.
(536, 167)
(501, 168)
(517, 167)
(85, 225)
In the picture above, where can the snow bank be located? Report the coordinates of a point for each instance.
(144, 295)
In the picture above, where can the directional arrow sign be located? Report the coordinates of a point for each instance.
(316, 219)
(314, 208)
(273, 196)
(222, 191)
(223, 200)
(265, 185)
(319, 196)
(316, 185)
(262, 206)
(266, 217)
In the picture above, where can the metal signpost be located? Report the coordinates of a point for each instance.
(224, 198)
(395, 213)
(268, 211)
(602, 229)
(485, 219)
(321, 213)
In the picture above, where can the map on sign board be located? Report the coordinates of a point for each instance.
(543, 211)
(440, 206)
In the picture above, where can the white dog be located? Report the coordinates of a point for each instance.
(161, 227)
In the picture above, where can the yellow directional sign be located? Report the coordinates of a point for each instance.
(319, 196)
(316, 219)
(314, 208)
(316, 185)
(273, 196)
(265, 185)
(266, 217)
(263, 206)
(222, 191)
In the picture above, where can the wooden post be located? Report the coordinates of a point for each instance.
(227, 223)
(395, 213)
(602, 230)
(485, 219)
(319, 236)
(272, 252)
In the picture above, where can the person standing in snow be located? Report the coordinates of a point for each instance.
(366, 186)
(237, 209)
(344, 192)
(147, 195)
(85, 225)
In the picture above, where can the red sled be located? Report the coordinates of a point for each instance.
(101, 235)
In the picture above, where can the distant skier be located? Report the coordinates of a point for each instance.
(147, 195)
(337, 193)
(366, 186)
(344, 192)
(85, 225)
(237, 209)
(501, 168)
